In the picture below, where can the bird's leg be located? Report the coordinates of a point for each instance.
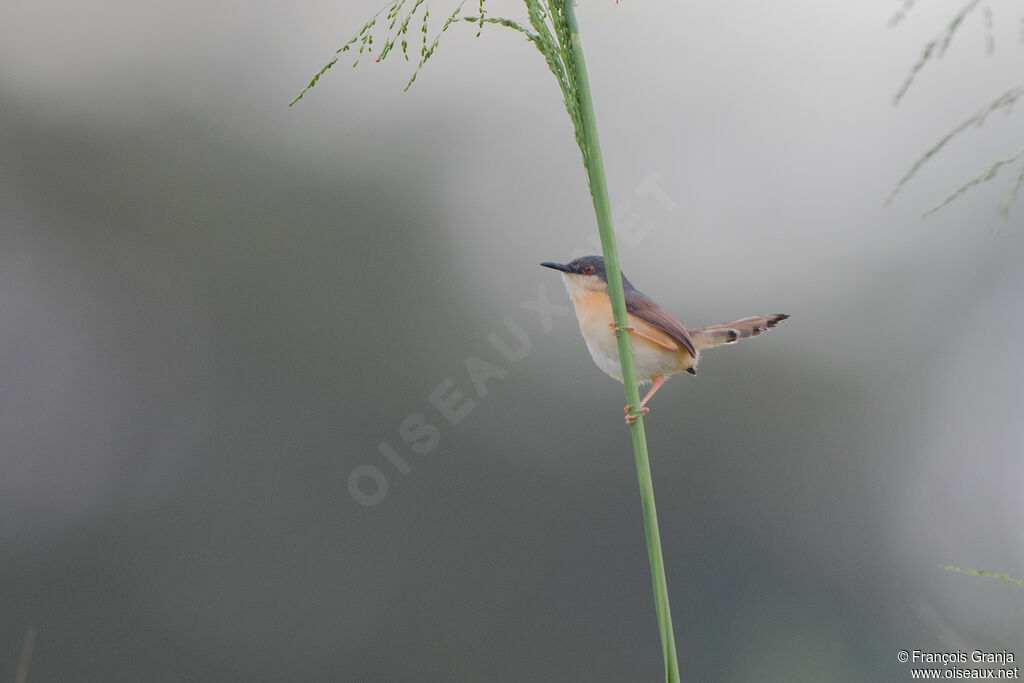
(631, 417)
(658, 381)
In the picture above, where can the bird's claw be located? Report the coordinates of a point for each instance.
(632, 417)
(620, 329)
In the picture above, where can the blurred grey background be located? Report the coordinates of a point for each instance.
(214, 309)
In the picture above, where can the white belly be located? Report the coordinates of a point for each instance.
(605, 355)
(650, 361)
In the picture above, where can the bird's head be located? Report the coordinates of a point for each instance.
(585, 272)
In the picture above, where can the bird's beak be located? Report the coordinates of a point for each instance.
(556, 266)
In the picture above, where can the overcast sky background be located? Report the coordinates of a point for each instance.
(214, 308)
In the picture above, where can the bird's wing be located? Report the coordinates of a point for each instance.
(644, 330)
(643, 308)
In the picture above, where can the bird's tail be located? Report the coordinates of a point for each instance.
(730, 333)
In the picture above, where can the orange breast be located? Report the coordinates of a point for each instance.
(594, 310)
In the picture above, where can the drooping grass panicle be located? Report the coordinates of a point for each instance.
(550, 24)
(396, 32)
(1004, 101)
(936, 47)
(989, 23)
(425, 51)
(1011, 194)
(547, 30)
(982, 572)
(983, 177)
(901, 13)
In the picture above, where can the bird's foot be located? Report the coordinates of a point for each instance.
(632, 417)
(620, 329)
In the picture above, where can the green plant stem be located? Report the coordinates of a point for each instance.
(592, 160)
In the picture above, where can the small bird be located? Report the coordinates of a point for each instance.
(662, 346)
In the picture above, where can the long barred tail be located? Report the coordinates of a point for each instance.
(730, 333)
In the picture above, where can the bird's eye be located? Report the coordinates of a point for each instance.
(588, 270)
